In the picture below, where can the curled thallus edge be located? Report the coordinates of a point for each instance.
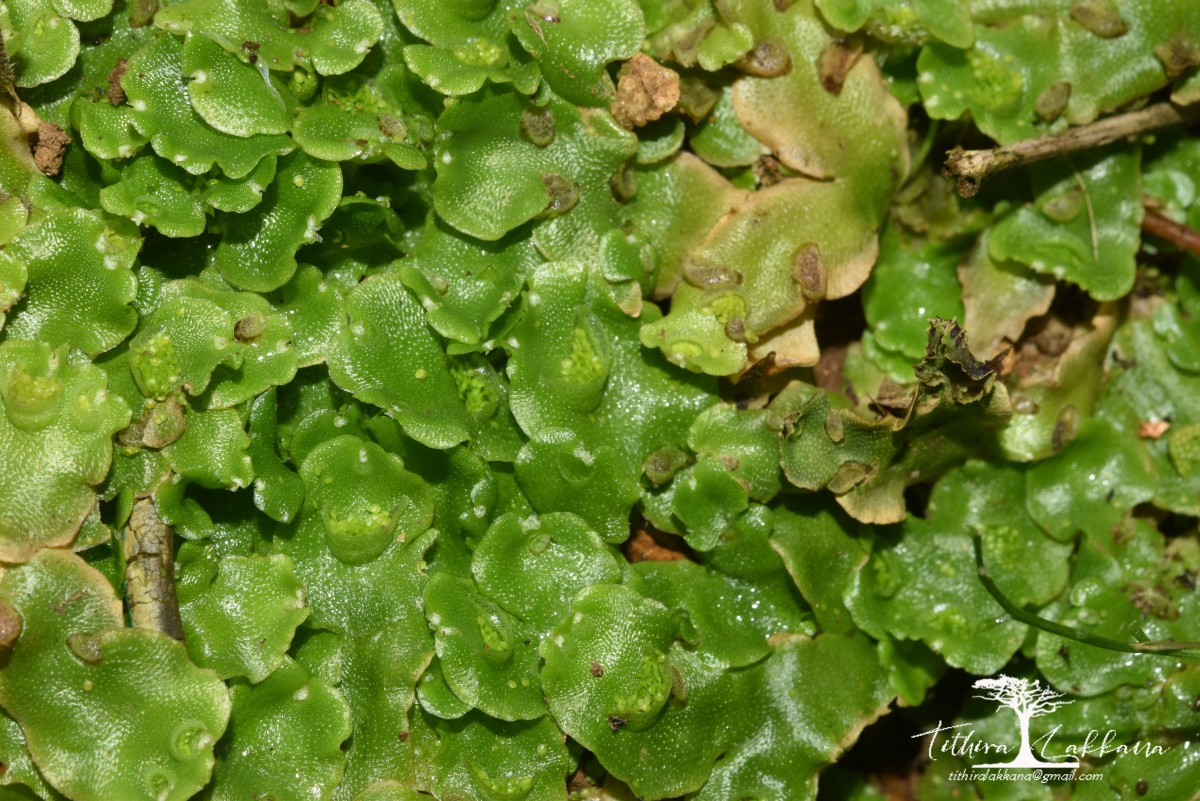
(1141, 645)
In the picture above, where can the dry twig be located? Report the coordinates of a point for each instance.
(970, 167)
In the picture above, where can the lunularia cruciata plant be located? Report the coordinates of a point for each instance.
(598, 399)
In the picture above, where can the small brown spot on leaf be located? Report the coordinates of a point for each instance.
(403, 736)
(615, 722)
(1052, 101)
(1178, 53)
(564, 195)
(767, 59)
(49, 147)
(250, 328)
(597, 669)
(1099, 17)
(645, 91)
(537, 126)
(808, 270)
(836, 62)
(735, 329)
(10, 625)
(1142, 787)
(661, 465)
(392, 127)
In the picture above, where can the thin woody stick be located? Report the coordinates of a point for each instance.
(1181, 236)
(970, 167)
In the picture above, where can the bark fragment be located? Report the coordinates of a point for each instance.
(645, 91)
(49, 148)
(150, 571)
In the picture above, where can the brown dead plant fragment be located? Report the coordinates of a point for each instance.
(116, 93)
(950, 365)
(970, 167)
(650, 545)
(150, 571)
(891, 400)
(579, 781)
(645, 91)
(767, 170)
(1153, 429)
(49, 147)
(839, 58)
